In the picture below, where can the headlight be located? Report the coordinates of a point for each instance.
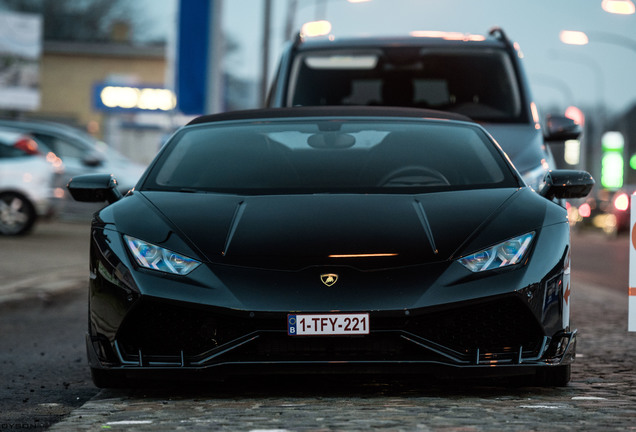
(157, 258)
(504, 254)
(534, 177)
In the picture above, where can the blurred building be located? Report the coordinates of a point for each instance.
(70, 72)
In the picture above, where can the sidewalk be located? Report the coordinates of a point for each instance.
(50, 260)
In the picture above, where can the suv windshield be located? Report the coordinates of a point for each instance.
(329, 155)
(479, 83)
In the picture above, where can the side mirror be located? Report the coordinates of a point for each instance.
(92, 160)
(563, 184)
(94, 188)
(561, 128)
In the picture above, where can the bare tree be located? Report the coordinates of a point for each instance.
(78, 20)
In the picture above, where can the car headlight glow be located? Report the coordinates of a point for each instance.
(504, 254)
(154, 257)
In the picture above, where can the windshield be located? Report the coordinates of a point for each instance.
(478, 83)
(322, 155)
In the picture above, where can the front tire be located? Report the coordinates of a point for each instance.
(17, 214)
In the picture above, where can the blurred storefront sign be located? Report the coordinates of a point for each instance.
(114, 98)
(137, 117)
(20, 50)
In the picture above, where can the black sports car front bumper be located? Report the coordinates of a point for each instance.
(501, 332)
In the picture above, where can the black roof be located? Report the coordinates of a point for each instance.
(329, 111)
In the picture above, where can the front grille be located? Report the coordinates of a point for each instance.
(281, 347)
(494, 326)
(169, 331)
(158, 328)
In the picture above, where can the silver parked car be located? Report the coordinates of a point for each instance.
(81, 152)
(29, 178)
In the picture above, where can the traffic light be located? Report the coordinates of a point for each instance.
(612, 145)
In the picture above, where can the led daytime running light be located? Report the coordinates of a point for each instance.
(154, 257)
(507, 253)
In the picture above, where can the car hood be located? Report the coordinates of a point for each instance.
(522, 143)
(292, 232)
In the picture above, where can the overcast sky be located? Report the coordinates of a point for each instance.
(560, 74)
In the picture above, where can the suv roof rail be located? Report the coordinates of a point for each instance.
(500, 34)
(496, 32)
(298, 39)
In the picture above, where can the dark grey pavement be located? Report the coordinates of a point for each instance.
(52, 259)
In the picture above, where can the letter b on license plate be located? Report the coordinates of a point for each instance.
(327, 324)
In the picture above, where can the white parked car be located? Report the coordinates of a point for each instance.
(28, 181)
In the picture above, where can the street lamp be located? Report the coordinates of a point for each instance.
(621, 7)
(588, 62)
(589, 153)
(316, 28)
(555, 83)
(320, 14)
(267, 21)
(571, 37)
(612, 161)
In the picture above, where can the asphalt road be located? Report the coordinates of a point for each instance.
(44, 375)
(601, 260)
(46, 383)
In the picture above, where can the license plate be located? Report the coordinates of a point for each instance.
(327, 324)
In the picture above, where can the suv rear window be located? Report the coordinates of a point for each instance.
(478, 83)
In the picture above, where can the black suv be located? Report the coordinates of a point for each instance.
(479, 76)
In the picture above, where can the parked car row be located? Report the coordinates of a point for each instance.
(620, 219)
(38, 159)
(608, 211)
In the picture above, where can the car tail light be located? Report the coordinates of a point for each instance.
(585, 210)
(27, 145)
(621, 202)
